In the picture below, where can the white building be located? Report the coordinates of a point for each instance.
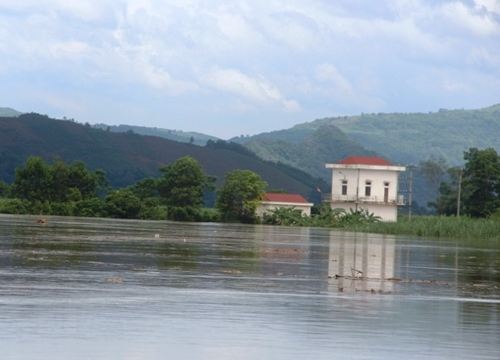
(367, 183)
(273, 201)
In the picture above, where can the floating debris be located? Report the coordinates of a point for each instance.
(116, 280)
(356, 273)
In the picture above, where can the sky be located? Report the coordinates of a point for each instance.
(231, 68)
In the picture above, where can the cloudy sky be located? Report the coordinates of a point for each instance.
(227, 68)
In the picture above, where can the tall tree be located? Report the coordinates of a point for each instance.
(59, 182)
(38, 181)
(33, 182)
(123, 204)
(145, 188)
(240, 195)
(184, 182)
(481, 182)
(4, 189)
(83, 180)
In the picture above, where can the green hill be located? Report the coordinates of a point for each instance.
(192, 137)
(8, 112)
(310, 151)
(407, 138)
(127, 157)
(400, 138)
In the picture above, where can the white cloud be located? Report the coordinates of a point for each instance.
(480, 23)
(258, 90)
(492, 6)
(454, 86)
(347, 56)
(483, 56)
(343, 92)
(328, 72)
(89, 10)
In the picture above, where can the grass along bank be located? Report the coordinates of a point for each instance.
(435, 227)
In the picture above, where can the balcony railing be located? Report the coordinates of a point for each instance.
(335, 198)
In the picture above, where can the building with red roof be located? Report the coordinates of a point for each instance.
(272, 201)
(368, 183)
(364, 160)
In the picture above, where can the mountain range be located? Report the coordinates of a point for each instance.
(129, 157)
(402, 138)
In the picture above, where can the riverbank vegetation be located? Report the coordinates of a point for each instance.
(450, 227)
(181, 191)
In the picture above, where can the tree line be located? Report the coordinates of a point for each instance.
(181, 191)
(178, 194)
(472, 190)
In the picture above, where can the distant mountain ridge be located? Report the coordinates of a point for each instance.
(401, 138)
(9, 112)
(191, 137)
(404, 138)
(327, 144)
(128, 157)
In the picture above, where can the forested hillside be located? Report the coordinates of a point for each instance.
(405, 137)
(327, 144)
(401, 138)
(126, 157)
(191, 137)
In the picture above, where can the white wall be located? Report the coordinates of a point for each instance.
(355, 199)
(358, 177)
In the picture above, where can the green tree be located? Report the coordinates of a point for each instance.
(145, 188)
(60, 183)
(14, 206)
(33, 182)
(240, 195)
(123, 204)
(183, 183)
(4, 189)
(481, 182)
(284, 216)
(83, 180)
(94, 207)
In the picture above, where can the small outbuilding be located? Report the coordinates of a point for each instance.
(272, 201)
(368, 183)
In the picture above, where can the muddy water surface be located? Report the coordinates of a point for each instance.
(77, 288)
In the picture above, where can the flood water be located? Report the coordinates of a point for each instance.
(80, 288)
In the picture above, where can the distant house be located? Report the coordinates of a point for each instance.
(368, 183)
(272, 201)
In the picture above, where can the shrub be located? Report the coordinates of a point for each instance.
(13, 206)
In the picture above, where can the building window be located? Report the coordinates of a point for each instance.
(386, 191)
(368, 188)
(344, 187)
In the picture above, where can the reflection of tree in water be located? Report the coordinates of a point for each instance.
(472, 312)
(46, 246)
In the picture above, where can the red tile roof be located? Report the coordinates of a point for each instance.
(363, 160)
(290, 198)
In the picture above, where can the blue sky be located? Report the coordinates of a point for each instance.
(229, 68)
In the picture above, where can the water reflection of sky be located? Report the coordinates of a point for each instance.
(240, 292)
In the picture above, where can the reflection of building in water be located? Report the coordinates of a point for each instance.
(361, 261)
